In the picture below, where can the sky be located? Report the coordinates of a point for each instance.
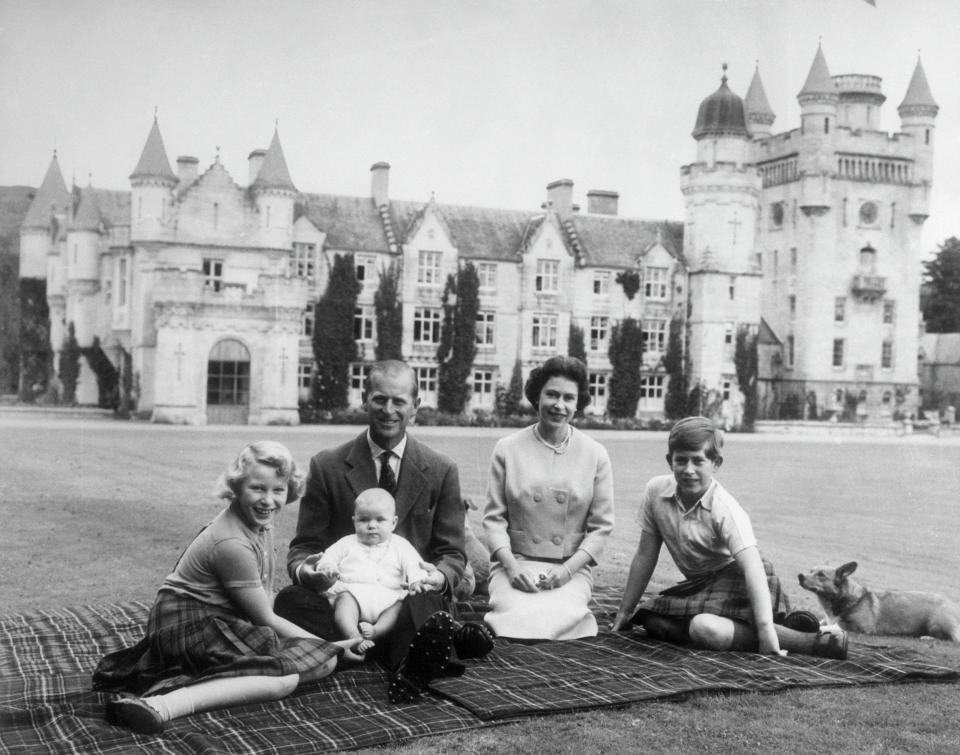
(474, 102)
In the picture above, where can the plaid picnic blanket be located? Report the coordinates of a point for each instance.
(46, 704)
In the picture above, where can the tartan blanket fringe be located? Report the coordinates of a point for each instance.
(47, 704)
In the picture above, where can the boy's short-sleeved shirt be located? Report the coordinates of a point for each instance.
(703, 538)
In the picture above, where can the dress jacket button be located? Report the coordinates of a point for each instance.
(561, 497)
(557, 540)
(537, 497)
(537, 539)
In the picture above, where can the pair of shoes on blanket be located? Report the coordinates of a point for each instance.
(426, 659)
(472, 639)
(134, 714)
(831, 644)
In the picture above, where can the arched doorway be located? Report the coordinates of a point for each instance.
(228, 383)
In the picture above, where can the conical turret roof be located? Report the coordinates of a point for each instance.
(273, 174)
(52, 193)
(153, 160)
(721, 114)
(755, 104)
(918, 92)
(818, 80)
(86, 213)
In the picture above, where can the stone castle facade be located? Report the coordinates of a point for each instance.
(203, 287)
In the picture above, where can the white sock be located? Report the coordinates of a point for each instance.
(221, 693)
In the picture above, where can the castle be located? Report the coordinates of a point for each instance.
(202, 289)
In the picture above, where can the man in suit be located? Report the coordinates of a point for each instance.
(426, 486)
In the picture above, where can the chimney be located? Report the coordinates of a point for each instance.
(255, 162)
(601, 202)
(560, 197)
(187, 169)
(380, 183)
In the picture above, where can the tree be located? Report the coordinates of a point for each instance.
(458, 339)
(626, 357)
(108, 377)
(69, 366)
(334, 347)
(509, 399)
(675, 402)
(35, 353)
(941, 302)
(575, 344)
(746, 361)
(389, 314)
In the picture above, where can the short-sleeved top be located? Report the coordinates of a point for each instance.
(392, 564)
(203, 572)
(705, 537)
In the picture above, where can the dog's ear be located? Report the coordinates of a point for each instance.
(845, 571)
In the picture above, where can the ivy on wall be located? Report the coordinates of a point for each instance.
(334, 347)
(389, 314)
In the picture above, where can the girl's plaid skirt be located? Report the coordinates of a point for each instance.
(189, 641)
(721, 593)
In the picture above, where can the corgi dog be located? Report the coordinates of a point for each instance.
(857, 608)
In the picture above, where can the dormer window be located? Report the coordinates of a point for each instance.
(868, 259)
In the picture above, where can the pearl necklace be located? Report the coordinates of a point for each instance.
(560, 447)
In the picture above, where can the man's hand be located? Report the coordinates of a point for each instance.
(316, 579)
(434, 581)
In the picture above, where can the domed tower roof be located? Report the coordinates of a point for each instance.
(918, 96)
(755, 104)
(273, 174)
(721, 114)
(51, 194)
(153, 160)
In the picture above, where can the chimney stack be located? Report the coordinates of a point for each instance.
(255, 162)
(380, 183)
(187, 169)
(601, 202)
(560, 197)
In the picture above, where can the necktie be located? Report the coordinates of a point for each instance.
(388, 480)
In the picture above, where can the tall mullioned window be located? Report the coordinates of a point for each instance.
(428, 268)
(886, 355)
(599, 333)
(363, 323)
(485, 330)
(303, 259)
(601, 283)
(213, 274)
(426, 379)
(426, 325)
(654, 335)
(548, 276)
(655, 283)
(837, 352)
(487, 276)
(840, 309)
(544, 334)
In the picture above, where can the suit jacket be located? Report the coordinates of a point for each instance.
(429, 504)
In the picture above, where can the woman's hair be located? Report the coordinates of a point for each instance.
(691, 433)
(266, 452)
(558, 366)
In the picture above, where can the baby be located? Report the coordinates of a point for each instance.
(370, 572)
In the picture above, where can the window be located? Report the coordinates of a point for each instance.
(228, 374)
(601, 283)
(216, 213)
(725, 386)
(548, 276)
(792, 303)
(655, 282)
(838, 352)
(358, 375)
(839, 309)
(122, 282)
(366, 265)
(306, 319)
(776, 260)
(776, 214)
(597, 388)
(426, 325)
(790, 352)
(426, 379)
(886, 355)
(428, 268)
(483, 385)
(304, 261)
(363, 323)
(544, 331)
(732, 287)
(305, 374)
(793, 260)
(654, 334)
(651, 386)
(213, 274)
(728, 339)
(487, 275)
(485, 330)
(599, 333)
(889, 310)
(868, 213)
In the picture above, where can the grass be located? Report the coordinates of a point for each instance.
(99, 512)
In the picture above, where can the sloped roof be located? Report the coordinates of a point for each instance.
(755, 104)
(153, 161)
(273, 174)
(350, 223)
(86, 211)
(721, 114)
(477, 232)
(114, 206)
(918, 91)
(617, 242)
(52, 192)
(818, 80)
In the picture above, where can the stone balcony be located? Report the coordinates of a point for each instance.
(868, 287)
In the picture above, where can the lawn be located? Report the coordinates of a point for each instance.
(98, 512)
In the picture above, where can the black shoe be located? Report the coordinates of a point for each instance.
(135, 714)
(426, 658)
(801, 621)
(472, 639)
(831, 645)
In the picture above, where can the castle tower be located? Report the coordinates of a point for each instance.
(721, 192)
(152, 183)
(818, 120)
(43, 219)
(274, 193)
(759, 114)
(918, 113)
